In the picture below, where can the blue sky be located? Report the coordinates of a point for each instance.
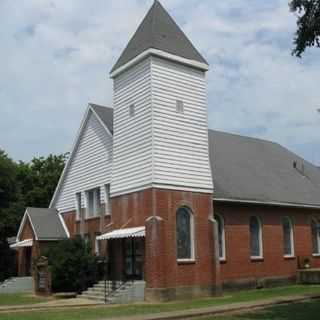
(56, 56)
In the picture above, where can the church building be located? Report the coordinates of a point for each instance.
(189, 210)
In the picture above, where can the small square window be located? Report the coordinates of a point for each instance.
(179, 106)
(132, 110)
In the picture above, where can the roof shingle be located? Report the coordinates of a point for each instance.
(47, 223)
(159, 31)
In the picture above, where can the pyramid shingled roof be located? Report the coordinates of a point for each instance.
(159, 31)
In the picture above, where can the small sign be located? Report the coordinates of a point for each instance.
(42, 280)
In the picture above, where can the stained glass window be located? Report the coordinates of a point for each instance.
(255, 237)
(221, 236)
(287, 236)
(184, 233)
(315, 237)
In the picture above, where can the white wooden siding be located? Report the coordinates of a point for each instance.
(180, 140)
(158, 146)
(90, 166)
(132, 148)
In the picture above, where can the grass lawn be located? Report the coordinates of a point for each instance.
(296, 311)
(13, 299)
(146, 308)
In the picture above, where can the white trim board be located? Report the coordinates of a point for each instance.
(23, 221)
(162, 54)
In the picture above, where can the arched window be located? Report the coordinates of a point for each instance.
(315, 236)
(185, 235)
(255, 238)
(288, 241)
(221, 236)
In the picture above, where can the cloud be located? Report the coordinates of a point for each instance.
(56, 56)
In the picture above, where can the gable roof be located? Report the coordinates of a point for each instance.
(249, 169)
(105, 114)
(47, 224)
(159, 31)
(105, 117)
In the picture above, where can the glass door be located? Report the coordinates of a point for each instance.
(134, 258)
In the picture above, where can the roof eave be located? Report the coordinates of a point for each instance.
(162, 54)
(268, 203)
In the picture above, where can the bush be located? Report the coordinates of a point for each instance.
(72, 265)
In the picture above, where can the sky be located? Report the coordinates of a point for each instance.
(56, 56)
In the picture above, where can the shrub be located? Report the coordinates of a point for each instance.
(72, 265)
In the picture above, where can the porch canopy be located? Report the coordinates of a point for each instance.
(24, 243)
(124, 233)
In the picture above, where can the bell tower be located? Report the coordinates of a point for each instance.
(161, 175)
(160, 111)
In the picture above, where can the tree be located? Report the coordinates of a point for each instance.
(308, 24)
(39, 179)
(72, 265)
(21, 185)
(9, 216)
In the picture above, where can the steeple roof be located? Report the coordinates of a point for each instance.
(159, 31)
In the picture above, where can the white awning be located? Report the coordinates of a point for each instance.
(24, 243)
(124, 233)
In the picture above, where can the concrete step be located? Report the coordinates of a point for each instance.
(17, 284)
(91, 297)
(128, 292)
(101, 284)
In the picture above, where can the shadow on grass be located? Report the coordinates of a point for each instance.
(299, 311)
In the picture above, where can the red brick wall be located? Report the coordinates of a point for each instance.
(27, 232)
(238, 263)
(91, 227)
(161, 267)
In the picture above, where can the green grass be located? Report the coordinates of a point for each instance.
(13, 299)
(146, 308)
(299, 311)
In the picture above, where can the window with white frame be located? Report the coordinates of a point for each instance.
(255, 238)
(315, 233)
(78, 205)
(107, 199)
(288, 240)
(221, 236)
(185, 234)
(93, 203)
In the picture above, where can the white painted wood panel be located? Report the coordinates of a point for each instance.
(132, 135)
(90, 167)
(180, 141)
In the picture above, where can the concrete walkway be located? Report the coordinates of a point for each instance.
(172, 315)
(54, 304)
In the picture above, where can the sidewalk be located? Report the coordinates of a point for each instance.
(172, 315)
(52, 305)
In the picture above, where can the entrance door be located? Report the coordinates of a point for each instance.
(134, 258)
